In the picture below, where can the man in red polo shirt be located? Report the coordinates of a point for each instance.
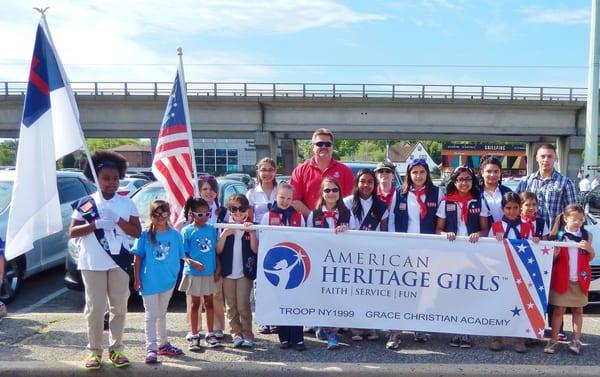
(307, 177)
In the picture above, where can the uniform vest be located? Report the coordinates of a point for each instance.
(275, 219)
(452, 213)
(320, 222)
(248, 257)
(401, 212)
(560, 269)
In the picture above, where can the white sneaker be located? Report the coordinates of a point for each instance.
(3, 311)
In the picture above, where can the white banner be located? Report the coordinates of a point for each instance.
(378, 280)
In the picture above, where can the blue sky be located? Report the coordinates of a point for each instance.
(478, 42)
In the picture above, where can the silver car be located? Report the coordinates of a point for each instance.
(49, 251)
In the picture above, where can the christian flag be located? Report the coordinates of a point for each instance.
(49, 130)
(172, 164)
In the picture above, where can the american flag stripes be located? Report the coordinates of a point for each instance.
(172, 164)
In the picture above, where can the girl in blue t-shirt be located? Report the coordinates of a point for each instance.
(158, 253)
(200, 270)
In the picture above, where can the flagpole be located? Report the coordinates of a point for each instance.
(85, 146)
(188, 124)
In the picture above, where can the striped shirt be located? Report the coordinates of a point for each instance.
(553, 194)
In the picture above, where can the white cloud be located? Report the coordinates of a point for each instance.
(109, 32)
(500, 32)
(539, 15)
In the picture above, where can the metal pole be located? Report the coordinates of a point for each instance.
(591, 118)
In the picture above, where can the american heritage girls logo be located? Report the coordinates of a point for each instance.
(286, 265)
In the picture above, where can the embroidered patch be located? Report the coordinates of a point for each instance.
(402, 206)
(275, 221)
(450, 207)
(318, 222)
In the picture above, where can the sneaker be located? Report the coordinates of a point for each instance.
(299, 346)
(284, 345)
(575, 346)
(498, 345)
(455, 341)
(373, 336)
(118, 359)
(168, 349)
(212, 341)
(520, 346)
(420, 337)
(219, 334)
(3, 311)
(93, 362)
(465, 341)
(332, 342)
(237, 341)
(188, 336)
(264, 329)
(274, 330)
(357, 338)
(195, 343)
(247, 343)
(551, 346)
(562, 337)
(394, 341)
(151, 357)
(320, 334)
(309, 329)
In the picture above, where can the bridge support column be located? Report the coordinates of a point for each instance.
(530, 153)
(266, 145)
(289, 155)
(570, 149)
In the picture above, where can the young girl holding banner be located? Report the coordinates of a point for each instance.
(414, 211)
(330, 212)
(461, 214)
(283, 214)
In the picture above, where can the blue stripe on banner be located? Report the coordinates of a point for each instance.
(525, 252)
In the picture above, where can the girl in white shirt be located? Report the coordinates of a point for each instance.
(262, 196)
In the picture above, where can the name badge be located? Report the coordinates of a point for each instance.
(474, 210)
(318, 222)
(275, 221)
(450, 207)
(431, 204)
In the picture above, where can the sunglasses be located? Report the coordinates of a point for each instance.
(234, 209)
(201, 214)
(417, 161)
(386, 171)
(159, 215)
(328, 190)
(322, 144)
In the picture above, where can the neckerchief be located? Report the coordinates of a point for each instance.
(286, 214)
(423, 210)
(512, 224)
(331, 214)
(464, 212)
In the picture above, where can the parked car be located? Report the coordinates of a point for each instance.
(128, 186)
(49, 251)
(356, 166)
(593, 227)
(142, 199)
(281, 178)
(244, 178)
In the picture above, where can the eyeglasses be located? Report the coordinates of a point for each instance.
(266, 170)
(386, 171)
(464, 179)
(163, 215)
(201, 214)
(234, 209)
(328, 190)
(322, 144)
(417, 161)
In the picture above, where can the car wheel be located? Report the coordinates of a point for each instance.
(13, 276)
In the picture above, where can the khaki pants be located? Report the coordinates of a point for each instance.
(237, 297)
(155, 307)
(100, 286)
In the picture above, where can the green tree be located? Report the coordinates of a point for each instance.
(7, 152)
(109, 143)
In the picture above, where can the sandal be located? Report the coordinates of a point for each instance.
(151, 357)
(93, 362)
(118, 359)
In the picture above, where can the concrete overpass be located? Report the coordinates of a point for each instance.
(286, 112)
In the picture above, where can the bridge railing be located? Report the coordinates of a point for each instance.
(322, 90)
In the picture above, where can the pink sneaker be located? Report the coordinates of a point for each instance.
(168, 349)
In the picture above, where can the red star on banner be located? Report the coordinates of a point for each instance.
(545, 250)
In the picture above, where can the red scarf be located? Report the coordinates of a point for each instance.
(529, 222)
(386, 198)
(331, 214)
(420, 201)
(464, 201)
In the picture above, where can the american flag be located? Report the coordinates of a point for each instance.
(172, 164)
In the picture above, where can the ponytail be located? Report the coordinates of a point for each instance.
(558, 225)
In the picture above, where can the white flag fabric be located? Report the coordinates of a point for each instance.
(49, 129)
(379, 280)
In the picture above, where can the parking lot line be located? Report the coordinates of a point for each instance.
(41, 302)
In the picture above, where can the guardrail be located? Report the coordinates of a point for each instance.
(321, 90)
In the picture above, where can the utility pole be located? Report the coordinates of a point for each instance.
(591, 119)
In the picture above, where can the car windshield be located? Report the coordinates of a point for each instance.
(5, 194)
(124, 182)
(143, 199)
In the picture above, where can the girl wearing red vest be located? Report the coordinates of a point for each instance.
(283, 214)
(461, 214)
(330, 212)
(510, 227)
(571, 274)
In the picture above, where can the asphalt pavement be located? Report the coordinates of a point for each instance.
(44, 335)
